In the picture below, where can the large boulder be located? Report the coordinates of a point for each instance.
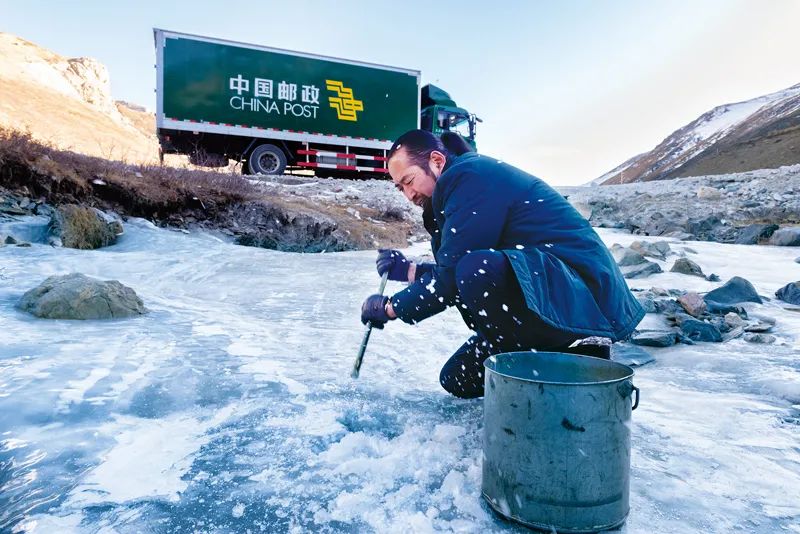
(658, 249)
(84, 228)
(735, 290)
(655, 338)
(786, 237)
(630, 355)
(790, 293)
(627, 257)
(641, 270)
(77, 296)
(697, 330)
(753, 234)
(687, 266)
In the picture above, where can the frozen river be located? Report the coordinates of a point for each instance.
(229, 407)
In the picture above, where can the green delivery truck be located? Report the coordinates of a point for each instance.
(272, 109)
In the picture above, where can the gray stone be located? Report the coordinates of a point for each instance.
(722, 309)
(628, 257)
(693, 304)
(686, 266)
(758, 327)
(630, 355)
(655, 338)
(733, 320)
(766, 339)
(9, 240)
(648, 303)
(797, 259)
(77, 296)
(642, 270)
(786, 237)
(712, 277)
(790, 293)
(733, 334)
(735, 290)
(753, 234)
(697, 330)
(658, 249)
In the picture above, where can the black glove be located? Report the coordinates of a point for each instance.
(374, 311)
(393, 262)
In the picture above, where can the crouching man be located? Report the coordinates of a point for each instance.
(525, 270)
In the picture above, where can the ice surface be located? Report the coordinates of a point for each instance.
(229, 407)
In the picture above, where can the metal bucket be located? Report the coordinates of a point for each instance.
(556, 442)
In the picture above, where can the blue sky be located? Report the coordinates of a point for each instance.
(567, 90)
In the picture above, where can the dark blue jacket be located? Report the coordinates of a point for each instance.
(566, 273)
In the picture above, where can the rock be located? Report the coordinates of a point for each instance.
(686, 266)
(758, 327)
(84, 228)
(753, 234)
(628, 257)
(667, 306)
(790, 293)
(786, 237)
(697, 330)
(733, 334)
(654, 338)
(77, 296)
(648, 303)
(693, 304)
(766, 339)
(797, 259)
(722, 309)
(735, 290)
(658, 250)
(630, 355)
(712, 277)
(708, 193)
(641, 270)
(733, 320)
(659, 291)
(9, 240)
(679, 235)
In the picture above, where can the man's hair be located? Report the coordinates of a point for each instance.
(455, 144)
(418, 145)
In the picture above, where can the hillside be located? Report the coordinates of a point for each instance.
(67, 103)
(762, 133)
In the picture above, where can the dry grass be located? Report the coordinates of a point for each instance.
(60, 174)
(172, 195)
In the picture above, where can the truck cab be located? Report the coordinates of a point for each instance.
(439, 113)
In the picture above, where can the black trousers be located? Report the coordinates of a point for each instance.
(491, 302)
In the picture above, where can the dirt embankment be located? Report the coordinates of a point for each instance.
(283, 214)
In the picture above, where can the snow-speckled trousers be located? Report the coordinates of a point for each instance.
(496, 311)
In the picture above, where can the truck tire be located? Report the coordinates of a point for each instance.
(266, 159)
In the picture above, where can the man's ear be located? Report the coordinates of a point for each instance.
(438, 160)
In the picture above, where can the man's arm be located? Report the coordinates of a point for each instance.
(475, 213)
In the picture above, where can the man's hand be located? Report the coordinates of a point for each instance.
(393, 262)
(374, 311)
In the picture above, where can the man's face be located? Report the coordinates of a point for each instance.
(415, 182)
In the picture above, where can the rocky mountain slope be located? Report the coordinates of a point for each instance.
(762, 133)
(67, 103)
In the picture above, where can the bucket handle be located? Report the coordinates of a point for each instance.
(627, 388)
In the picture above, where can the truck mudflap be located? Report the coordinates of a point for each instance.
(323, 160)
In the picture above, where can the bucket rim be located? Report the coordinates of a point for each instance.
(491, 360)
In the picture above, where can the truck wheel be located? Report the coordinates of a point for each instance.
(266, 159)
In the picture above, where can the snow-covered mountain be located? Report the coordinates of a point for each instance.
(761, 133)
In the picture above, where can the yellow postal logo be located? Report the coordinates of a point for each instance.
(345, 105)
